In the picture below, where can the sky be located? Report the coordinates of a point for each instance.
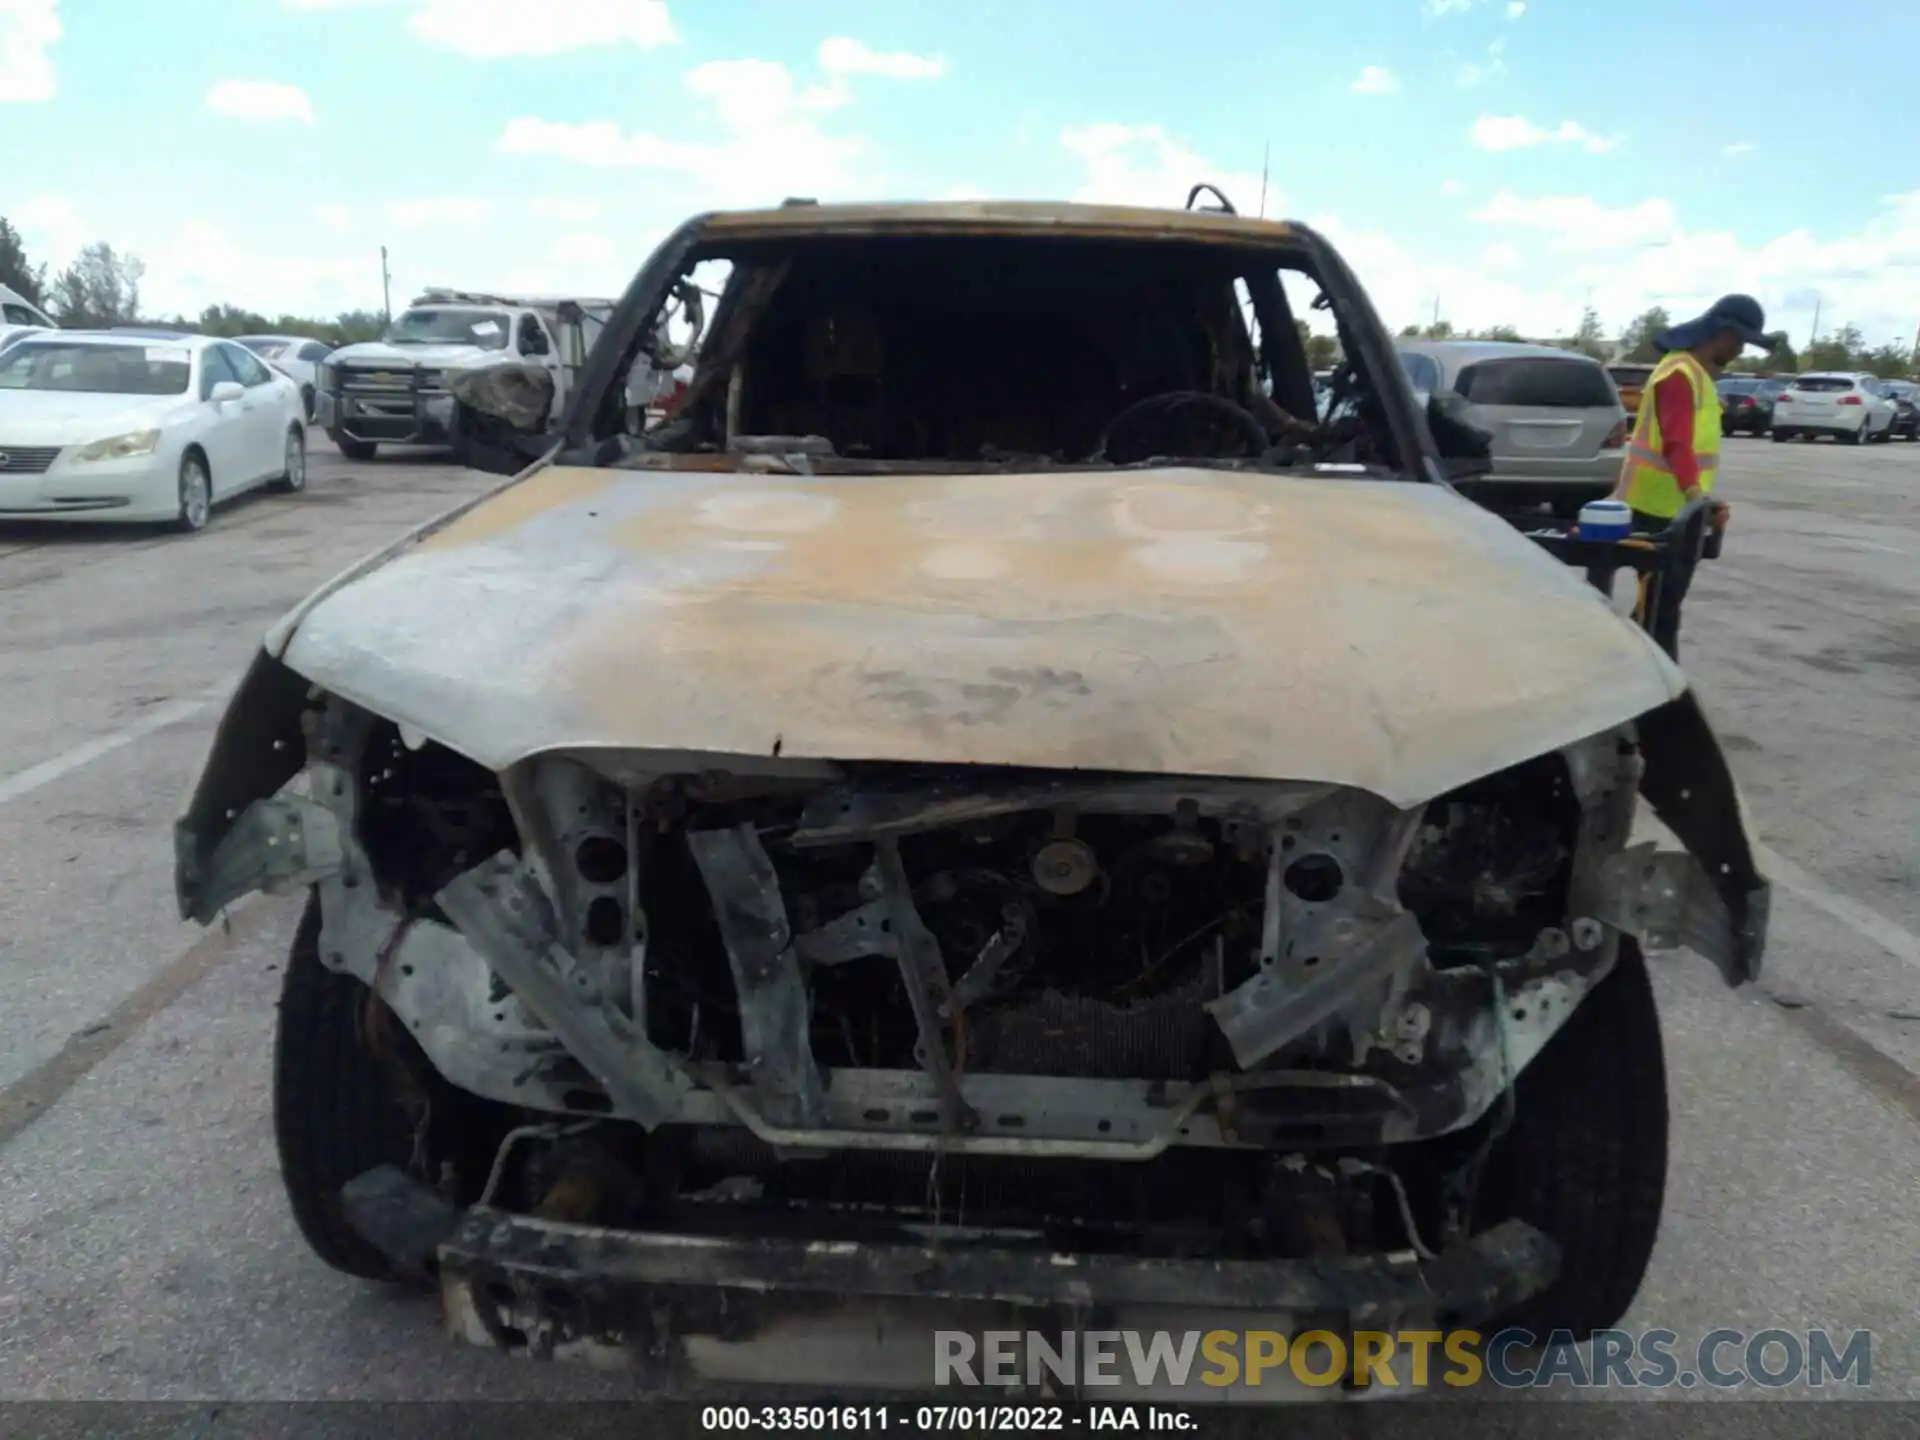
(1492, 161)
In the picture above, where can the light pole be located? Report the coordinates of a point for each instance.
(386, 287)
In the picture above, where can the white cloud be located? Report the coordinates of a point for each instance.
(771, 145)
(585, 248)
(495, 29)
(965, 192)
(1478, 72)
(841, 56)
(451, 210)
(576, 212)
(1142, 165)
(1375, 80)
(266, 100)
(1516, 8)
(492, 29)
(28, 31)
(1739, 147)
(1580, 223)
(1450, 187)
(52, 229)
(337, 218)
(1516, 132)
(1502, 255)
(1439, 9)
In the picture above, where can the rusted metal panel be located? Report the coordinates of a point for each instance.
(1390, 636)
(996, 217)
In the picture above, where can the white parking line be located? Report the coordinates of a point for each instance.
(27, 781)
(1896, 940)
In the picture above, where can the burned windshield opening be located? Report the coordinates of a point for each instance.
(1009, 350)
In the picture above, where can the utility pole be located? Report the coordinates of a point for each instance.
(1436, 312)
(386, 287)
(1266, 152)
(1814, 335)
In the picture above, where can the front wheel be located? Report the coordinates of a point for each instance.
(306, 403)
(1780, 437)
(1586, 1158)
(1858, 437)
(336, 1110)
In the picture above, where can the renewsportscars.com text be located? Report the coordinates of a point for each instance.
(1507, 1359)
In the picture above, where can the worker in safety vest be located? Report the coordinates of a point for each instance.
(1675, 449)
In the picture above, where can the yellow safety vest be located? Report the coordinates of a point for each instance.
(1646, 481)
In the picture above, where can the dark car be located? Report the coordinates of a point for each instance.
(1746, 405)
(1906, 399)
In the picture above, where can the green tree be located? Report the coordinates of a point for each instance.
(1842, 350)
(1891, 361)
(1497, 332)
(16, 273)
(1438, 330)
(1409, 332)
(1589, 338)
(100, 288)
(1637, 340)
(1323, 352)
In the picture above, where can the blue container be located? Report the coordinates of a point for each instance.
(1605, 520)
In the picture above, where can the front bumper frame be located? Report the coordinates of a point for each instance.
(691, 1312)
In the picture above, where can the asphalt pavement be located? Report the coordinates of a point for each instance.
(146, 1251)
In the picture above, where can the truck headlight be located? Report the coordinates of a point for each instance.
(326, 376)
(121, 447)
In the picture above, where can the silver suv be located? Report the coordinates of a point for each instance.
(1559, 430)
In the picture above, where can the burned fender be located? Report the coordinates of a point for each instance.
(1719, 905)
(257, 749)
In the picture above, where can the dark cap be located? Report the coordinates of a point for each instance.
(1739, 313)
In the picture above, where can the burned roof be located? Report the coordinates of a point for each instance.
(1007, 218)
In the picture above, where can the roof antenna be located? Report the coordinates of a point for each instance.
(1225, 207)
(1266, 152)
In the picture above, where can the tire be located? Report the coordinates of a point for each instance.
(1780, 437)
(335, 1113)
(194, 505)
(306, 403)
(1858, 437)
(1586, 1157)
(293, 479)
(351, 448)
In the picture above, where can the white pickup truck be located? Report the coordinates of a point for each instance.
(393, 391)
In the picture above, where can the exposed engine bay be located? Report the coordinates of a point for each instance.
(981, 994)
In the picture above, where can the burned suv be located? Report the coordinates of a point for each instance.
(989, 815)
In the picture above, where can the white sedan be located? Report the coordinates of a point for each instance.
(1847, 406)
(296, 355)
(97, 425)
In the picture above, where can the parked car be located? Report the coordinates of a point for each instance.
(1847, 406)
(1746, 405)
(1631, 381)
(105, 426)
(1559, 429)
(20, 316)
(298, 356)
(1906, 400)
(913, 876)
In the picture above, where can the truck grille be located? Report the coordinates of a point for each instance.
(377, 382)
(27, 459)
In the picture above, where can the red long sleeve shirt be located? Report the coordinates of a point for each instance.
(1673, 406)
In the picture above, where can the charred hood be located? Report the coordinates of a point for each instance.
(1389, 636)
